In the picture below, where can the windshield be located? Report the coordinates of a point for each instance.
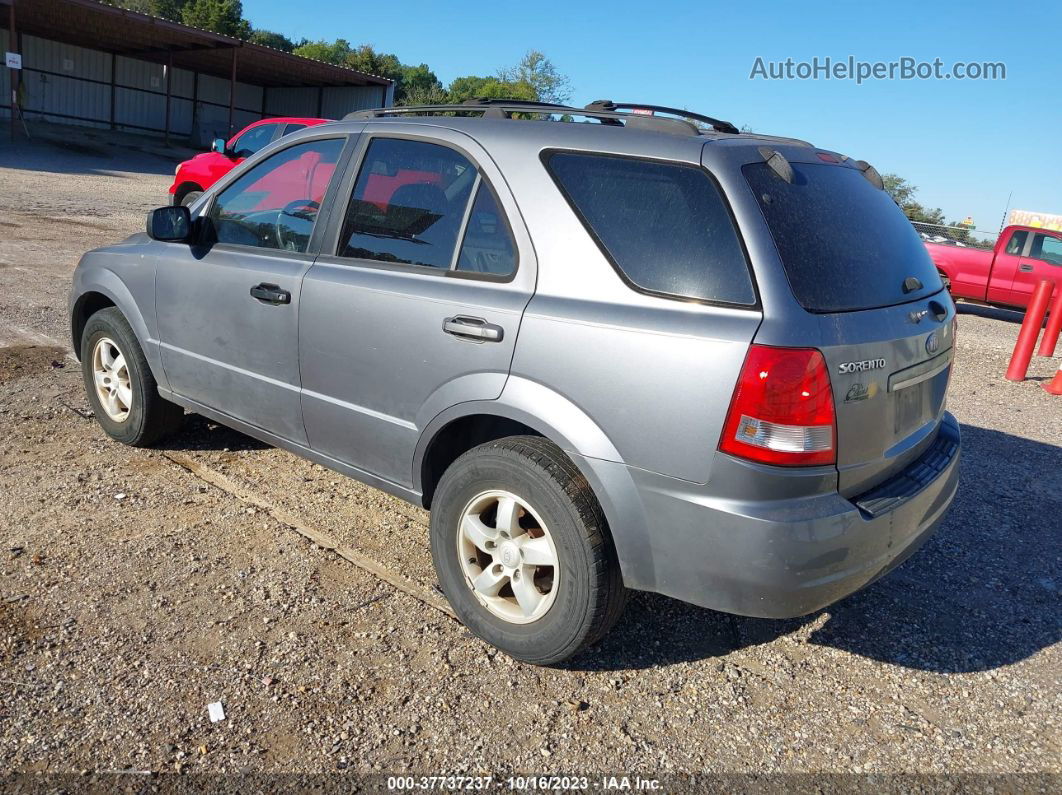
(844, 243)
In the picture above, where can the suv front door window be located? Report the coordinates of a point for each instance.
(275, 204)
(228, 313)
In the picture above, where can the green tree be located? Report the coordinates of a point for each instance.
(419, 95)
(168, 9)
(903, 193)
(364, 58)
(421, 81)
(473, 86)
(268, 38)
(220, 16)
(321, 50)
(538, 72)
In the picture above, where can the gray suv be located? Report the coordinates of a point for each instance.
(609, 348)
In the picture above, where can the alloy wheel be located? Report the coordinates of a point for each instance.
(110, 375)
(508, 557)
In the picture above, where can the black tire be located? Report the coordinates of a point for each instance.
(190, 197)
(590, 594)
(150, 416)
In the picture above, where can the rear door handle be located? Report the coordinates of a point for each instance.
(1025, 268)
(473, 328)
(270, 294)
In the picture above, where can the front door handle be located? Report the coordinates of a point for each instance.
(270, 294)
(1025, 268)
(473, 328)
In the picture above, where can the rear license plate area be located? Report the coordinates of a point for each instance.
(910, 408)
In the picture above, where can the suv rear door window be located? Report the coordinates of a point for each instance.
(844, 243)
(408, 204)
(664, 226)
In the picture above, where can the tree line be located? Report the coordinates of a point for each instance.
(903, 193)
(534, 77)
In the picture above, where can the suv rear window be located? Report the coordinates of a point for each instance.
(664, 226)
(844, 244)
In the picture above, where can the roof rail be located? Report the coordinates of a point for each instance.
(490, 108)
(604, 110)
(717, 124)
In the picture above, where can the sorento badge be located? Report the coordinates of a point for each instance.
(858, 367)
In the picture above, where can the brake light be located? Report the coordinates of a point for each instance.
(782, 411)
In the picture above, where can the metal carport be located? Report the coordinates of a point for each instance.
(85, 62)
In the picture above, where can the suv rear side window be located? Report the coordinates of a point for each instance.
(408, 204)
(664, 226)
(844, 243)
(487, 246)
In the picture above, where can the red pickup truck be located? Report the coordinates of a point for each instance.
(1022, 258)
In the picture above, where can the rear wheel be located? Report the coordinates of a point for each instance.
(523, 552)
(120, 386)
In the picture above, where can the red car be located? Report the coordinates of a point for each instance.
(1023, 257)
(196, 175)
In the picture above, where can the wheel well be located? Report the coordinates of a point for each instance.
(457, 438)
(182, 189)
(86, 306)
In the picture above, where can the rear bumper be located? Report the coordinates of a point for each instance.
(779, 558)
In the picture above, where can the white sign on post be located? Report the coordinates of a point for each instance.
(14, 60)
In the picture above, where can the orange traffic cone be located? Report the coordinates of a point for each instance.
(1054, 386)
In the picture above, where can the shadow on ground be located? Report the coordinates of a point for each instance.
(990, 312)
(199, 434)
(63, 149)
(982, 593)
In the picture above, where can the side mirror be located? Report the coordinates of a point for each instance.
(219, 146)
(170, 224)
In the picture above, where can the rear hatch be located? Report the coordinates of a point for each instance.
(886, 324)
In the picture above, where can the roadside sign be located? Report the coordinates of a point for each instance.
(1031, 218)
(14, 60)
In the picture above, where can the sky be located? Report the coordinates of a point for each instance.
(967, 144)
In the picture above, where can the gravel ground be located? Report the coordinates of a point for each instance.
(135, 591)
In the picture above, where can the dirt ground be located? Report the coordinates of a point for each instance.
(138, 586)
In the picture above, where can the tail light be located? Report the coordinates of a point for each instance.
(782, 411)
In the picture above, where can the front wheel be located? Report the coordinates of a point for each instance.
(522, 550)
(190, 198)
(120, 386)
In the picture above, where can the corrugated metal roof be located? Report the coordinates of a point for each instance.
(96, 24)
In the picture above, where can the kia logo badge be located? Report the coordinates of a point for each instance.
(932, 343)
